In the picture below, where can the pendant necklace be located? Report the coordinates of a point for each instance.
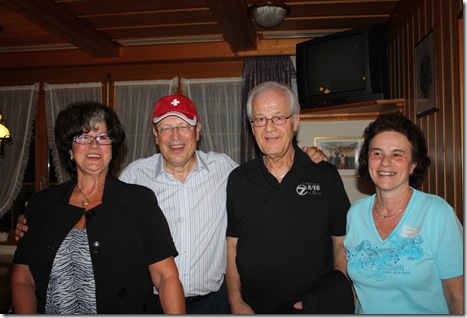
(85, 201)
(383, 217)
(387, 216)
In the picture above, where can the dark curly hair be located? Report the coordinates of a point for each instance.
(81, 117)
(399, 123)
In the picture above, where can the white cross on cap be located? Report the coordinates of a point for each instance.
(175, 102)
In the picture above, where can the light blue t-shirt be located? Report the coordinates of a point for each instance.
(402, 274)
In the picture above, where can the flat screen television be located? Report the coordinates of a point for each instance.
(343, 67)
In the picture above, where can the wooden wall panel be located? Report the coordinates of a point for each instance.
(443, 129)
(122, 72)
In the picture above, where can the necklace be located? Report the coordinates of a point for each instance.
(383, 217)
(387, 216)
(85, 201)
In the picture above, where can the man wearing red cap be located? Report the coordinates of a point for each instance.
(190, 187)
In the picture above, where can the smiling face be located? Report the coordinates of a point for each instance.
(275, 141)
(390, 161)
(92, 159)
(177, 146)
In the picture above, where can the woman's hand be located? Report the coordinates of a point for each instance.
(21, 227)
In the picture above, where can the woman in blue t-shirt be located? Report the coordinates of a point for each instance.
(404, 247)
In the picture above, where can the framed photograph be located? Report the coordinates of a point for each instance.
(425, 76)
(342, 152)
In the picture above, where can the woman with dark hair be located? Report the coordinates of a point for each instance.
(94, 244)
(404, 247)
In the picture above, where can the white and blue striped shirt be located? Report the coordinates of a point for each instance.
(196, 213)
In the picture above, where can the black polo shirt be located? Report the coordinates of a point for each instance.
(284, 229)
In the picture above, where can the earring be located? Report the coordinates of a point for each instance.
(72, 158)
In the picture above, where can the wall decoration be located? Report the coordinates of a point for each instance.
(342, 152)
(425, 76)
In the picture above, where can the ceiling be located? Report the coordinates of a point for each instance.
(104, 28)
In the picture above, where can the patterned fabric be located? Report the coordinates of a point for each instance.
(71, 288)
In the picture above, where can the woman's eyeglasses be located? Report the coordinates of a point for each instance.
(87, 140)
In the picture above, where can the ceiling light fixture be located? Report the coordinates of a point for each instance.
(269, 14)
(5, 136)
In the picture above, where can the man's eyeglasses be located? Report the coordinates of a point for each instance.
(87, 140)
(167, 131)
(276, 120)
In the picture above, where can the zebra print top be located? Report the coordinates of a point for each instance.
(71, 288)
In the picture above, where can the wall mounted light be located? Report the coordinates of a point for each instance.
(5, 136)
(269, 14)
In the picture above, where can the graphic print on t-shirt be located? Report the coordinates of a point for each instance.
(378, 262)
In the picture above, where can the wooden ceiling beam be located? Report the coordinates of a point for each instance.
(60, 22)
(235, 23)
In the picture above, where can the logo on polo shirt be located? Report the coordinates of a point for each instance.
(308, 188)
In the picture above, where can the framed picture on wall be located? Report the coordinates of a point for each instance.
(342, 152)
(425, 76)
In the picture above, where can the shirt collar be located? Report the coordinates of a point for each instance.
(300, 160)
(201, 164)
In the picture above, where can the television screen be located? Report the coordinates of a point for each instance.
(342, 67)
(326, 67)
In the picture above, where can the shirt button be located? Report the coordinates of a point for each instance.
(122, 292)
(96, 246)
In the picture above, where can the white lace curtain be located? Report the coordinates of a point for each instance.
(134, 103)
(18, 106)
(218, 102)
(57, 97)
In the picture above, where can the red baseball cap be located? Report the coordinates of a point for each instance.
(175, 105)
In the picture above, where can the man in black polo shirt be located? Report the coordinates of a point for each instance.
(286, 214)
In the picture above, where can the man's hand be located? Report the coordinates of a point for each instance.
(21, 227)
(316, 155)
(298, 305)
(241, 308)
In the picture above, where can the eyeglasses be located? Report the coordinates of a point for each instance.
(167, 131)
(276, 120)
(87, 140)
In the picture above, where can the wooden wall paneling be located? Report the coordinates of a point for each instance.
(392, 69)
(124, 72)
(420, 29)
(440, 128)
(108, 92)
(426, 122)
(409, 83)
(457, 111)
(457, 108)
(446, 49)
(461, 129)
(438, 118)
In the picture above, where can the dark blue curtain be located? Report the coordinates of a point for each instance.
(257, 70)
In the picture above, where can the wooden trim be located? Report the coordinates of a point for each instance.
(353, 111)
(160, 54)
(41, 164)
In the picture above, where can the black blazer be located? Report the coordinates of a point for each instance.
(126, 233)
